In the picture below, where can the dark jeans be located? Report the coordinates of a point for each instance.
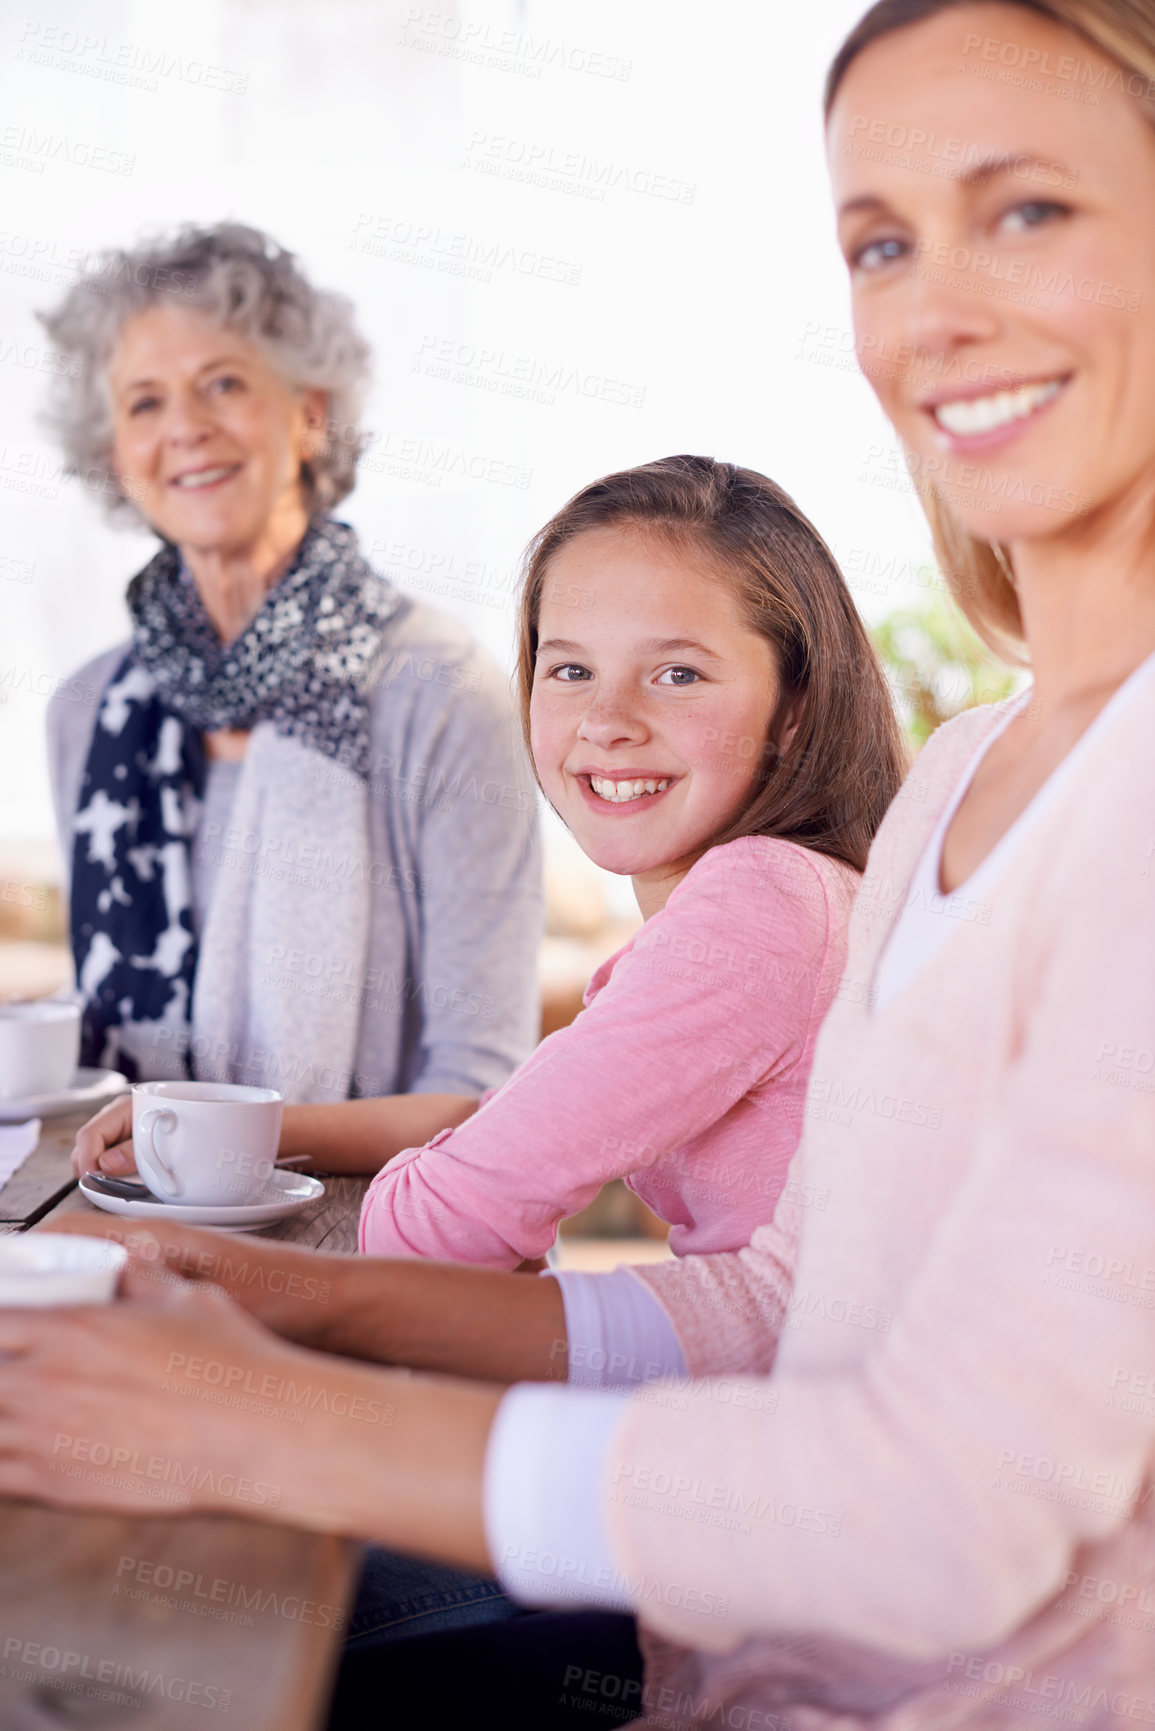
(430, 1647)
(399, 1597)
(533, 1673)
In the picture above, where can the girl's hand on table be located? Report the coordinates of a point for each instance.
(428, 1316)
(288, 1287)
(431, 1316)
(104, 1144)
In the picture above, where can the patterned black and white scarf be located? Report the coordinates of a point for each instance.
(304, 665)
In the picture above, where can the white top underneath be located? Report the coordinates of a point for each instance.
(928, 917)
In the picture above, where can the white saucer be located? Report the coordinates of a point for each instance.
(89, 1088)
(285, 1193)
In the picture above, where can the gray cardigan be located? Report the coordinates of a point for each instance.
(456, 902)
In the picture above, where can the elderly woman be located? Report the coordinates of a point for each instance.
(299, 825)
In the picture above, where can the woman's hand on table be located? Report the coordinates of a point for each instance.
(172, 1400)
(88, 1408)
(104, 1144)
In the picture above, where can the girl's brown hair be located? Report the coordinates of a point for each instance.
(979, 573)
(842, 767)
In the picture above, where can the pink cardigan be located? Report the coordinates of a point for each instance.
(686, 1071)
(940, 1508)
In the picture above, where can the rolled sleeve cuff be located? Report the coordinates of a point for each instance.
(545, 1496)
(619, 1335)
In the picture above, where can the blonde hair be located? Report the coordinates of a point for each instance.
(979, 573)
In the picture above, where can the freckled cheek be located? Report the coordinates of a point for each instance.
(721, 743)
(551, 733)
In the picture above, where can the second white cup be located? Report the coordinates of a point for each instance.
(210, 1144)
(40, 1269)
(39, 1046)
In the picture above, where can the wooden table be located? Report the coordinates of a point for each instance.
(45, 1177)
(164, 1623)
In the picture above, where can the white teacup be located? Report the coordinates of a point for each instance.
(39, 1046)
(46, 1268)
(205, 1143)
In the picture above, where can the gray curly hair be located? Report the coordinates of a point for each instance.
(242, 279)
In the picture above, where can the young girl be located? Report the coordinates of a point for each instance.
(706, 714)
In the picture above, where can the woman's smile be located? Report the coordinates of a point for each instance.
(982, 419)
(208, 438)
(1007, 287)
(199, 480)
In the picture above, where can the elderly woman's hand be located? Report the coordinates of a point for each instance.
(104, 1144)
(173, 1400)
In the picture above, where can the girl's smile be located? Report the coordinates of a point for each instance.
(651, 704)
(628, 788)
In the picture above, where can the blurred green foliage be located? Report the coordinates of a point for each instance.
(937, 665)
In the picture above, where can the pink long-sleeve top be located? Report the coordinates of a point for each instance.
(685, 1074)
(939, 1510)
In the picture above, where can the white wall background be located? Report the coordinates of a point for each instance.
(579, 236)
